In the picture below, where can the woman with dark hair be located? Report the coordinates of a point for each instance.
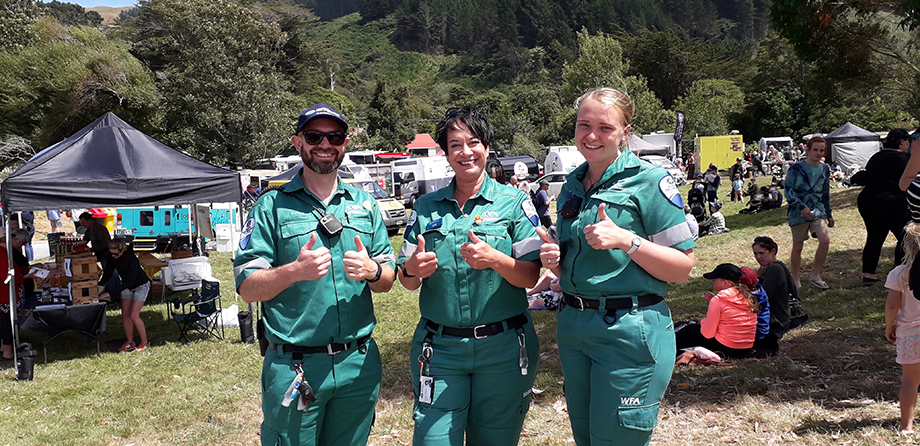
(134, 287)
(472, 247)
(777, 281)
(882, 204)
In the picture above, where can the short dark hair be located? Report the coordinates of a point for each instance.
(86, 216)
(765, 243)
(470, 116)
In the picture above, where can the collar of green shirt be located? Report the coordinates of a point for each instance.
(625, 160)
(297, 183)
(486, 191)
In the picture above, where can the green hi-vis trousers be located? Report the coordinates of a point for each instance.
(346, 387)
(478, 387)
(617, 366)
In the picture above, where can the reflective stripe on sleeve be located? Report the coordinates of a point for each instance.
(384, 258)
(258, 263)
(407, 249)
(526, 246)
(672, 235)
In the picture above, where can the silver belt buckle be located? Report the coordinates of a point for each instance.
(581, 302)
(476, 332)
(331, 352)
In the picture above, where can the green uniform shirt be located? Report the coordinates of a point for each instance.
(457, 295)
(333, 308)
(641, 198)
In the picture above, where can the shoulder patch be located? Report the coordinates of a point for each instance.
(247, 232)
(413, 217)
(669, 190)
(530, 211)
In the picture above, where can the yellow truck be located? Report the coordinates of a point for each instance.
(719, 150)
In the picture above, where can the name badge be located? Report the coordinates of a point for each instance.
(435, 224)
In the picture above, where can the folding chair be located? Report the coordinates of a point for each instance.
(201, 312)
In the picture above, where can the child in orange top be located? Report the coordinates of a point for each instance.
(731, 321)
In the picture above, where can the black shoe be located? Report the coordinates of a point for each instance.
(869, 280)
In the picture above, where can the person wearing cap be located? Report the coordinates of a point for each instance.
(542, 201)
(715, 224)
(621, 236)
(809, 210)
(882, 204)
(730, 325)
(472, 247)
(312, 253)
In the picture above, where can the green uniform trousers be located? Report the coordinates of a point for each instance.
(346, 387)
(478, 387)
(617, 366)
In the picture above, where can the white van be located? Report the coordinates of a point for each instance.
(415, 177)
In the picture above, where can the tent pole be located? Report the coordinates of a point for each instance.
(11, 283)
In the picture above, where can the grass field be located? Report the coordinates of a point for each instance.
(834, 381)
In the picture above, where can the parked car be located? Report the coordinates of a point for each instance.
(394, 214)
(665, 163)
(555, 180)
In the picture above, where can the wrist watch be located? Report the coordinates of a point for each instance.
(636, 243)
(376, 276)
(402, 269)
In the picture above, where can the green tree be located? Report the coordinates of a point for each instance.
(389, 116)
(71, 13)
(710, 107)
(226, 101)
(601, 63)
(69, 77)
(17, 18)
(855, 44)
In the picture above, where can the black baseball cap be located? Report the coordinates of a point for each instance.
(321, 110)
(725, 271)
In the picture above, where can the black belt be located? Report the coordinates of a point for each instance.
(331, 349)
(619, 303)
(480, 331)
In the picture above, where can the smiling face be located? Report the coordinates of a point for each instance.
(323, 158)
(466, 154)
(599, 132)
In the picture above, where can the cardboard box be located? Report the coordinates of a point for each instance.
(81, 267)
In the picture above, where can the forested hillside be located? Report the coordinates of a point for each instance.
(224, 80)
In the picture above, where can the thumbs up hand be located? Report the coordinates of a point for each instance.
(313, 263)
(605, 234)
(477, 253)
(421, 264)
(550, 254)
(358, 264)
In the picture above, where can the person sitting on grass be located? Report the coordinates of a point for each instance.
(715, 224)
(546, 294)
(730, 325)
(135, 286)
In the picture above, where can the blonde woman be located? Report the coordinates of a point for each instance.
(622, 237)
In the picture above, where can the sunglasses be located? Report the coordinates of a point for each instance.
(314, 137)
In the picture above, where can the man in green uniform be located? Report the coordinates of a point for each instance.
(312, 253)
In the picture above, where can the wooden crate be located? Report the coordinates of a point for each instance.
(82, 267)
(84, 292)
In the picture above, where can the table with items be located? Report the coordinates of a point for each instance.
(66, 297)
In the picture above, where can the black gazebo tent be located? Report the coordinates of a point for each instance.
(108, 164)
